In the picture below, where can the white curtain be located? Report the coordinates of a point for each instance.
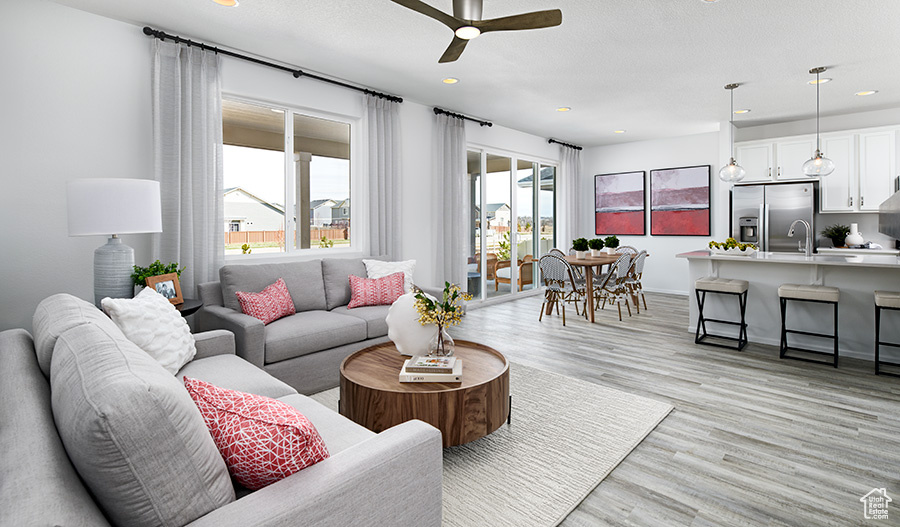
(570, 197)
(384, 177)
(451, 206)
(187, 159)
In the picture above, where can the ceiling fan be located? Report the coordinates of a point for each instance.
(467, 24)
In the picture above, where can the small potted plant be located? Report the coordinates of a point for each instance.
(581, 247)
(596, 246)
(141, 274)
(611, 243)
(837, 234)
(447, 311)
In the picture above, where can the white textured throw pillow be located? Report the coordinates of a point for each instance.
(380, 269)
(152, 322)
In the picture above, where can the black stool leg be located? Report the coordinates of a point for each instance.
(700, 319)
(742, 337)
(877, 338)
(783, 346)
(835, 334)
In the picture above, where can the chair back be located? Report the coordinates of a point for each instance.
(638, 264)
(626, 249)
(557, 252)
(554, 271)
(622, 266)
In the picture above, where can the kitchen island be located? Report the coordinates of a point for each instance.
(857, 277)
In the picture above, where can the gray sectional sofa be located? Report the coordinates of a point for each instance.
(94, 432)
(304, 350)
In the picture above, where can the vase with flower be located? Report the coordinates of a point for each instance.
(448, 311)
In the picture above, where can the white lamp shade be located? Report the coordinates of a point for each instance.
(106, 206)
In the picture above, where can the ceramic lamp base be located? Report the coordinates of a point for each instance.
(113, 265)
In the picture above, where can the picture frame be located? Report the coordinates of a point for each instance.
(680, 201)
(620, 203)
(168, 286)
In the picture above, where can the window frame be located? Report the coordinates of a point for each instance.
(357, 207)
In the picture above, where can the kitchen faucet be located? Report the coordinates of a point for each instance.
(808, 236)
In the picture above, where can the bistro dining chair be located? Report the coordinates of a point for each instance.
(633, 280)
(612, 288)
(560, 285)
(576, 289)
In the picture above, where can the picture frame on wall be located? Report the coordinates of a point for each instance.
(679, 201)
(168, 286)
(619, 203)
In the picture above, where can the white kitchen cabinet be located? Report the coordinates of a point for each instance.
(790, 156)
(756, 159)
(876, 168)
(838, 192)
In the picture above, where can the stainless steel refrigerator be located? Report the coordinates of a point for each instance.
(762, 214)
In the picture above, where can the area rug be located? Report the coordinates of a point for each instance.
(566, 436)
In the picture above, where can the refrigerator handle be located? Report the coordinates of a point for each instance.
(764, 214)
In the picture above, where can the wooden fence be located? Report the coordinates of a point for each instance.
(242, 237)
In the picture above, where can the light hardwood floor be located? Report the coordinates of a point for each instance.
(753, 439)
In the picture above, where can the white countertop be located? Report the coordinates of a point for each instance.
(799, 258)
(864, 252)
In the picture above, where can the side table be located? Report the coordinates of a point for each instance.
(189, 306)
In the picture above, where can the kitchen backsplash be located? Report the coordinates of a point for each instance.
(868, 226)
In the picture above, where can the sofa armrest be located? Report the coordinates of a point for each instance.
(393, 478)
(214, 342)
(249, 332)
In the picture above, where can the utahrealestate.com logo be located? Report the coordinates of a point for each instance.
(875, 504)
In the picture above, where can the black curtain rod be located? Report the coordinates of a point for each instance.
(439, 111)
(297, 73)
(576, 147)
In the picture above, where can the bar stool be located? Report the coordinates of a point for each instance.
(724, 286)
(884, 300)
(808, 293)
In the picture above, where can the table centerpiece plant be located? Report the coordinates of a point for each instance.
(581, 246)
(157, 268)
(837, 233)
(444, 313)
(596, 246)
(611, 243)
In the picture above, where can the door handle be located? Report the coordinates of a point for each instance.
(779, 171)
(851, 201)
(770, 172)
(862, 201)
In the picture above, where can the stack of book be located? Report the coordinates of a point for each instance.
(431, 369)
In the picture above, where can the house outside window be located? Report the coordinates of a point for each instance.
(285, 172)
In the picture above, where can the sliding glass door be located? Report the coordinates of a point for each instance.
(511, 225)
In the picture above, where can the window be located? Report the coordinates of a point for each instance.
(517, 209)
(287, 179)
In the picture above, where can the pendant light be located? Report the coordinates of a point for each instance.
(732, 172)
(818, 164)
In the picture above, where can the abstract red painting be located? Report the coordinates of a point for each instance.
(679, 201)
(619, 203)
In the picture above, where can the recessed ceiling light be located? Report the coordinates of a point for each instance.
(709, 1)
(743, 110)
(618, 131)
(276, 110)
(867, 92)
(466, 32)
(564, 109)
(227, 3)
(450, 80)
(820, 81)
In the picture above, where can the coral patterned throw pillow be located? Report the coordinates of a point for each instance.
(262, 440)
(268, 305)
(375, 291)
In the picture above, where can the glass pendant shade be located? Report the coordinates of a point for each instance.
(732, 172)
(818, 165)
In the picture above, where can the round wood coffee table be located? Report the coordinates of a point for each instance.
(373, 396)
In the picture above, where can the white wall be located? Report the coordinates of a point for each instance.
(76, 92)
(76, 104)
(662, 272)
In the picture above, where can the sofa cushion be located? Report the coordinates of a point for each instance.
(152, 322)
(310, 331)
(379, 268)
(338, 432)
(263, 440)
(234, 373)
(54, 316)
(268, 305)
(375, 317)
(375, 291)
(132, 432)
(303, 279)
(336, 272)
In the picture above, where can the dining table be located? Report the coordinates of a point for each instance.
(589, 263)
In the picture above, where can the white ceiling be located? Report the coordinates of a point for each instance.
(655, 68)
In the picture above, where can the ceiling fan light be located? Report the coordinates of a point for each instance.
(227, 3)
(818, 166)
(468, 32)
(732, 172)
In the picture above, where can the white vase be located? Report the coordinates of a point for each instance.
(610, 250)
(596, 252)
(855, 237)
(404, 329)
(580, 255)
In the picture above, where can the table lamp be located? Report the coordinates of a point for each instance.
(111, 207)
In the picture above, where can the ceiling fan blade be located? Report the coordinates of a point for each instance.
(454, 50)
(427, 10)
(535, 20)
